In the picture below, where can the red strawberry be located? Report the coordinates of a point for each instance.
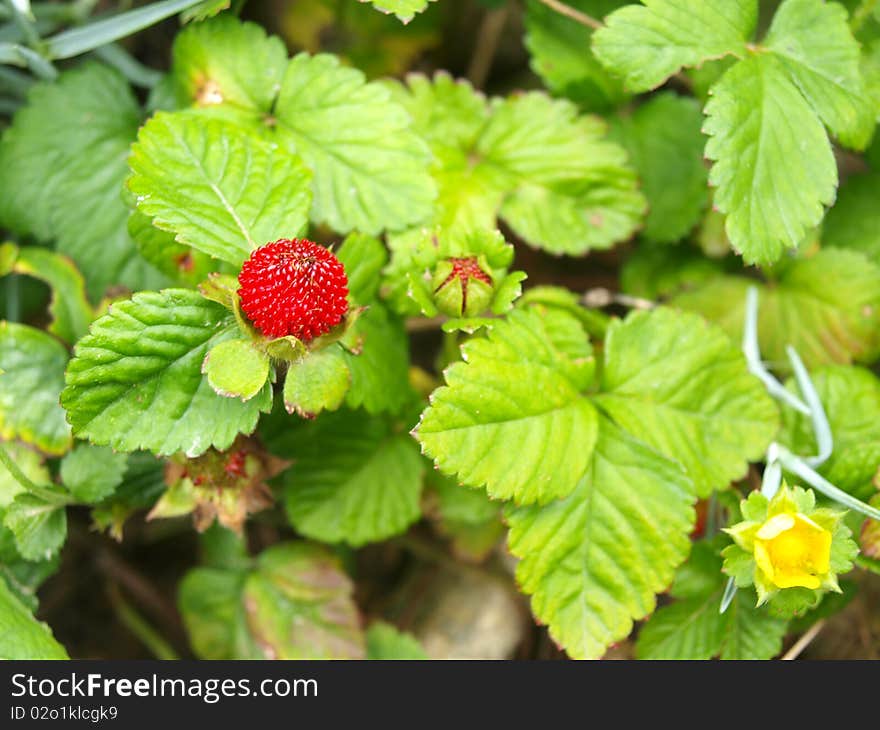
(293, 287)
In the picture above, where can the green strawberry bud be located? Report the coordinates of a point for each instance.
(462, 288)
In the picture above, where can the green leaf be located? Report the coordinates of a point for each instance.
(851, 398)
(818, 50)
(405, 10)
(448, 113)
(181, 264)
(692, 627)
(23, 577)
(676, 383)
(72, 138)
(21, 635)
(379, 372)
(356, 479)
(774, 169)
(68, 307)
(31, 378)
(370, 170)
(236, 369)
(92, 473)
(363, 257)
(571, 190)
(854, 221)
(560, 54)
(143, 484)
(218, 189)
(548, 172)
(827, 307)
(461, 505)
(384, 641)
(467, 517)
(518, 392)
(39, 524)
(594, 561)
(648, 44)
(135, 381)
(664, 141)
(295, 603)
(317, 382)
(656, 271)
(229, 63)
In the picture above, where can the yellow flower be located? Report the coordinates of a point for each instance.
(792, 550)
(787, 543)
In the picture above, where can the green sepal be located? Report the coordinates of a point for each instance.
(419, 290)
(221, 288)
(741, 565)
(287, 348)
(508, 291)
(457, 298)
(178, 500)
(236, 369)
(419, 279)
(342, 333)
(317, 382)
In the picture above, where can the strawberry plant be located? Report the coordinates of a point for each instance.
(270, 362)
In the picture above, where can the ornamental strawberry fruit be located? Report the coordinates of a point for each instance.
(293, 287)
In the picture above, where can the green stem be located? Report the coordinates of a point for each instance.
(451, 348)
(796, 465)
(47, 495)
(13, 311)
(13, 469)
(134, 622)
(712, 516)
(752, 352)
(573, 13)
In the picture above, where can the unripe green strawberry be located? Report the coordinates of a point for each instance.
(462, 288)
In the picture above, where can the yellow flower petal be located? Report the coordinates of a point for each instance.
(795, 580)
(762, 558)
(792, 550)
(772, 527)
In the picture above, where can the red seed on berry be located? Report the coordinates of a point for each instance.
(293, 287)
